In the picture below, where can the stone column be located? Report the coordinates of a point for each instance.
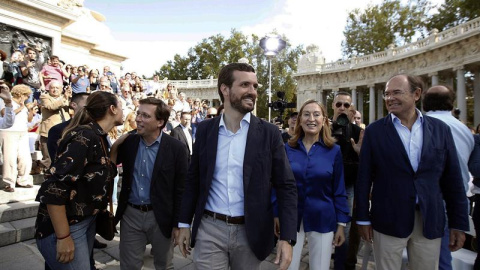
(324, 98)
(476, 95)
(379, 103)
(354, 97)
(434, 77)
(461, 93)
(360, 102)
(371, 112)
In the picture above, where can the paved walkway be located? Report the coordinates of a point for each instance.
(25, 255)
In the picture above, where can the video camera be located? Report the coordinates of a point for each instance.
(280, 105)
(340, 128)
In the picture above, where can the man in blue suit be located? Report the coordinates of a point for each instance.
(409, 164)
(237, 159)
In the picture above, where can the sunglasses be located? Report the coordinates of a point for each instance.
(339, 104)
(211, 115)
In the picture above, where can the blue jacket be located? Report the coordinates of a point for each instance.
(322, 200)
(386, 170)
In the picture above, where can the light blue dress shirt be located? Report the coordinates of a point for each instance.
(142, 173)
(463, 139)
(412, 139)
(226, 191)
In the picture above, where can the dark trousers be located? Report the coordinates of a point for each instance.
(476, 223)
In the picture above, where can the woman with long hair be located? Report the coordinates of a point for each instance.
(317, 165)
(93, 79)
(77, 185)
(129, 124)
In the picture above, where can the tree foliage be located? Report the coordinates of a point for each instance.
(207, 58)
(454, 12)
(390, 22)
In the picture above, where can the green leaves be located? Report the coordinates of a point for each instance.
(207, 58)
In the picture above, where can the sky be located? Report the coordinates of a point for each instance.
(150, 32)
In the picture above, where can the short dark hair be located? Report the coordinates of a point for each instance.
(162, 112)
(30, 49)
(342, 93)
(438, 101)
(77, 97)
(226, 75)
(54, 57)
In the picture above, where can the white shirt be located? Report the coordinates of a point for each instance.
(463, 138)
(21, 119)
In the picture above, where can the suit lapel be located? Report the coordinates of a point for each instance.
(427, 140)
(211, 148)
(253, 141)
(163, 151)
(185, 140)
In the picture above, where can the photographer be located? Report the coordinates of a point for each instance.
(349, 137)
(32, 77)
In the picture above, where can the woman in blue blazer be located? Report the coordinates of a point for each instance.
(316, 162)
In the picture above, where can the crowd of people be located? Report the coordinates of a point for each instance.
(228, 183)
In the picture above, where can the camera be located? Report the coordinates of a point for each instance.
(340, 128)
(280, 105)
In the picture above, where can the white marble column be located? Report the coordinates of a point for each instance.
(461, 93)
(379, 103)
(476, 95)
(360, 102)
(434, 77)
(371, 112)
(324, 98)
(354, 97)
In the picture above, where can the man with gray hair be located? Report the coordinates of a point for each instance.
(438, 103)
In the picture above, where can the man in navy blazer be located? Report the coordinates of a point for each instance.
(154, 170)
(409, 164)
(237, 160)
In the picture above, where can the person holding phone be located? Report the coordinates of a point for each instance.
(80, 82)
(8, 116)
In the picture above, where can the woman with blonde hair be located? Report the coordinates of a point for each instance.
(17, 161)
(78, 184)
(129, 124)
(317, 165)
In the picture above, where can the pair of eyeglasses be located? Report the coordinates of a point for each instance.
(211, 115)
(392, 94)
(143, 115)
(339, 104)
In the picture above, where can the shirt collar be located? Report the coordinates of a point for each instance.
(246, 118)
(158, 139)
(419, 117)
(439, 113)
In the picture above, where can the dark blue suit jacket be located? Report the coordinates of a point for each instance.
(385, 166)
(265, 166)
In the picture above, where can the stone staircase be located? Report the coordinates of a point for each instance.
(18, 211)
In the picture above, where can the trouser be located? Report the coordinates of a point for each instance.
(46, 161)
(137, 229)
(219, 245)
(345, 256)
(319, 250)
(423, 253)
(17, 161)
(83, 235)
(476, 224)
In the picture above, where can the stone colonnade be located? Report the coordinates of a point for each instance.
(442, 58)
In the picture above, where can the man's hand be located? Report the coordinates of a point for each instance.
(284, 254)
(366, 232)
(339, 237)
(65, 250)
(175, 232)
(357, 146)
(276, 227)
(457, 238)
(183, 241)
(5, 94)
